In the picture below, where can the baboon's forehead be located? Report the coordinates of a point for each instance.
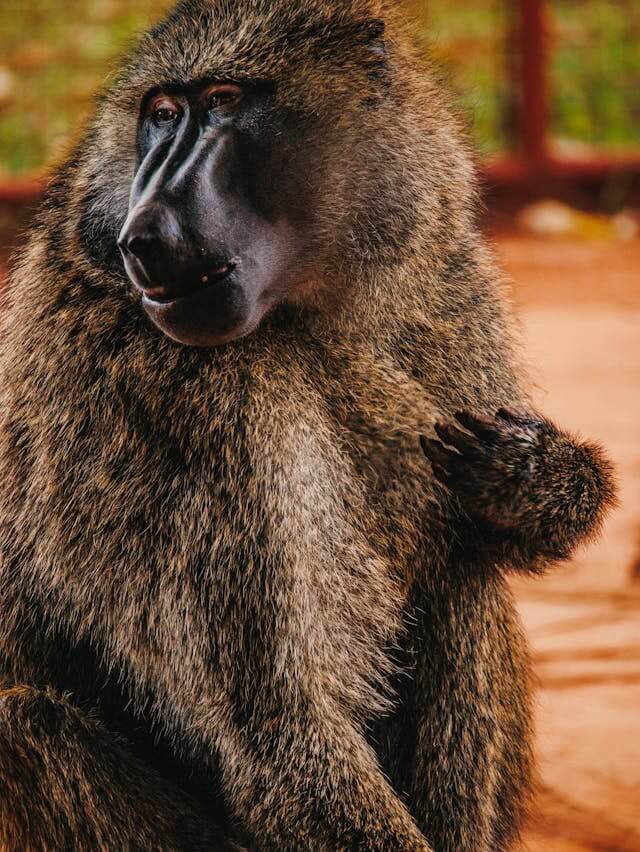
(251, 39)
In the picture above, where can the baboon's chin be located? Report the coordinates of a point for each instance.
(211, 317)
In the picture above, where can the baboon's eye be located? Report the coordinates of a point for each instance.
(223, 96)
(163, 111)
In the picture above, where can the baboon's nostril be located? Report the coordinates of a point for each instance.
(140, 245)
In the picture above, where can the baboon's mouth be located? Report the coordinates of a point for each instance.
(166, 295)
(216, 311)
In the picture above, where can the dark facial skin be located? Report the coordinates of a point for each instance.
(216, 226)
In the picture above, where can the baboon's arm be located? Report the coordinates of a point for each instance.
(66, 783)
(308, 780)
(531, 492)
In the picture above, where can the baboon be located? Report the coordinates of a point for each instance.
(238, 604)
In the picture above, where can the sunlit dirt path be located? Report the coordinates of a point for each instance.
(580, 305)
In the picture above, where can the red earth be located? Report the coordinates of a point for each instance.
(580, 306)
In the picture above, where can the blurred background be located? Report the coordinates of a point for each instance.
(551, 89)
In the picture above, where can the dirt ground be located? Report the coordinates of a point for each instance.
(580, 306)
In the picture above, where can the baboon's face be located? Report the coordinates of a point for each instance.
(216, 227)
(250, 176)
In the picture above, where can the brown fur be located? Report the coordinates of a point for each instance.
(232, 591)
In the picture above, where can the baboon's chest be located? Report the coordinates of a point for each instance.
(406, 503)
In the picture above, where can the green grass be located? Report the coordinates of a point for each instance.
(595, 75)
(468, 40)
(55, 53)
(594, 71)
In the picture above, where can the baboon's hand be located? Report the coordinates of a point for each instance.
(497, 466)
(532, 491)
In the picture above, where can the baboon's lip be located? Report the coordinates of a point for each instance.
(209, 316)
(155, 294)
(164, 296)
